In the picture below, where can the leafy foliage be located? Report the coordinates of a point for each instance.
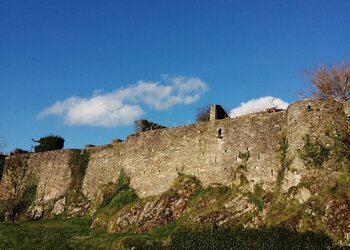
(284, 160)
(48, 143)
(314, 153)
(256, 197)
(78, 163)
(119, 194)
(244, 156)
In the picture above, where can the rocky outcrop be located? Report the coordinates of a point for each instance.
(151, 213)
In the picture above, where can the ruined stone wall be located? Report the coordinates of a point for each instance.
(53, 175)
(320, 119)
(207, 150)
(217, 152)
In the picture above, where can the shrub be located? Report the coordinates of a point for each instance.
(314, 153)
(48, 143)
(228, 237)
(140, 242)
(18, 151)
(119, 194)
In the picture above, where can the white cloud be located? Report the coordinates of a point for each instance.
(259, 104)
(123, 106)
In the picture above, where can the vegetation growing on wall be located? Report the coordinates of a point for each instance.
(119, 194)
(314, 153)
(256, 197)
(78, 163)
(22, 192)
(244, 156)
(284, 160)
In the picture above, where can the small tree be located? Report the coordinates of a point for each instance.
(48, 143)
(203, 114)
(332, 82)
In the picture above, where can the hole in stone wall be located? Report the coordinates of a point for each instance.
(215, 159)
(259, 156)
(308, 108)
(219, 133)
(159, 170)
(349, 118)
(271, 172)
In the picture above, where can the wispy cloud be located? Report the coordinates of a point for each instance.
(259, 104)
(123, 106)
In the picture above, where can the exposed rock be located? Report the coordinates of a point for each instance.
(59, 206)
(147, 215)
(36, 212)
(303, 195)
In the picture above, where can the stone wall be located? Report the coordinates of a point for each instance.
(217, 152)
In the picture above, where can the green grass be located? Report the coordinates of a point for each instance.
(44, 234)
(74, 234)
(66, 234)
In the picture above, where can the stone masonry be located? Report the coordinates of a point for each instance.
(212, 151)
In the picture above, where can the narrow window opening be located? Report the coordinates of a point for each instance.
(271, 172)
(259, 156)
(215, 160)
(219, 133)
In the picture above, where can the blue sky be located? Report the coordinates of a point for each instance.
(85, 69)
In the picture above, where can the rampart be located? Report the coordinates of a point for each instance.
(224, 152)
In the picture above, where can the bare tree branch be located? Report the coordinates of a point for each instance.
(332, 82)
